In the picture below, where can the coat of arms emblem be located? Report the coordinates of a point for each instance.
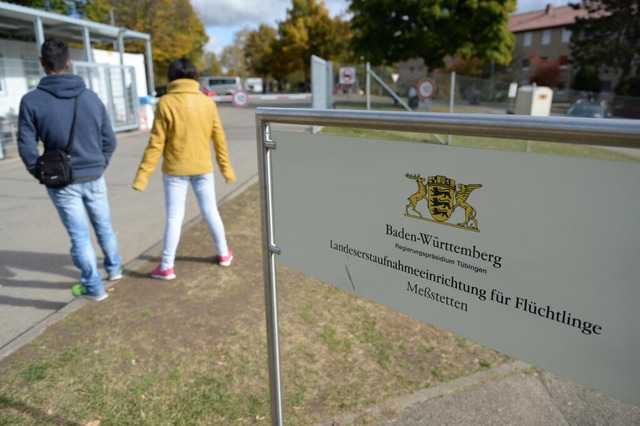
(443, 196)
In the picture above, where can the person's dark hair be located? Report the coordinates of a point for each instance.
(55, 54)
(182, 68)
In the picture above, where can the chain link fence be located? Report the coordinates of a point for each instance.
(469, 94)
(455, 93)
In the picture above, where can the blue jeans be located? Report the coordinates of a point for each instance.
(175, 195)
(72, 202)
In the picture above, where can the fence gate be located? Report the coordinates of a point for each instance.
(116, 87)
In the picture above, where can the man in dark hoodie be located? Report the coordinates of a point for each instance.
(46, 114)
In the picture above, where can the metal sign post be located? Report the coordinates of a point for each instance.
(577, 297)
(269, 251)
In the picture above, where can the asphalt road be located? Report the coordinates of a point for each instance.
(36, 271)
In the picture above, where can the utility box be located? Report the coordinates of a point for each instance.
(533, 100)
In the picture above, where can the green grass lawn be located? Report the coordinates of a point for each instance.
(572, 150)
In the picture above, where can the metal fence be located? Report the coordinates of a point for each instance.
(115, 85)
(456, 93)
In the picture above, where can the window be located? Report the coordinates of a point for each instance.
(525, 64)
(566, 35)
(31, 68)
(546, 36)
(526, 39)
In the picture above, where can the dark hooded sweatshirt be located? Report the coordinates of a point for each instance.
(46, 114)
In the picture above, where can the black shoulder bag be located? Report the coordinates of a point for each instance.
(54, 167)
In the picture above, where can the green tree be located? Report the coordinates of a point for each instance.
(210, 64)
(176, 30)
(232, 58)
(587, 79)
(258, 50)
(608, 36)
(308, 30)
(388, 31)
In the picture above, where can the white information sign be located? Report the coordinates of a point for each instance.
(534, 255)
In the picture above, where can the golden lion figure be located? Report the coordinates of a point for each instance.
(462, 194)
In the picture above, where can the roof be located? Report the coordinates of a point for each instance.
(549, 17)
(19, 21)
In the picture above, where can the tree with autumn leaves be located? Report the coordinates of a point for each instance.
(174, 27)
(284, 53)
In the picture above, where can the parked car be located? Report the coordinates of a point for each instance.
(590, 109)
(207, 90)
(222, 85)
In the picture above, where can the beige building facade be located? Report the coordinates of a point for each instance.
(542, 38)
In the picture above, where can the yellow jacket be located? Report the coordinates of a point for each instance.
(185, 122)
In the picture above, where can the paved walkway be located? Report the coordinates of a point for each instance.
(35, 266)
(511, 394)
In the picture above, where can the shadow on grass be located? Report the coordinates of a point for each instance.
(35, 413)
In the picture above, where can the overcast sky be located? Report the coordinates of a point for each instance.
(223, 18)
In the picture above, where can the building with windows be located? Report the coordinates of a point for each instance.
(543, 41)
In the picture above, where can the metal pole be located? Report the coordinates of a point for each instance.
(587, 131)
(39, 30)
(391, 92)
(533, 100)
(270, 250)
(368, 86)
(452, 96)
(150, 79)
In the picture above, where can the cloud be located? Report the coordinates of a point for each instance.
(229, 13)
(234, 13)
(223, 18)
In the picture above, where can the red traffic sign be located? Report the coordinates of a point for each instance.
(240, 98)
(426, 89)
(347, 75)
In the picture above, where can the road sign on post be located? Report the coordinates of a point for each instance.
(240, 98)
(347, 75)
(426, 89)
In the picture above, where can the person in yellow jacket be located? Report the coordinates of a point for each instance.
(185, 122)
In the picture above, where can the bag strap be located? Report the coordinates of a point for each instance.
(73, 126)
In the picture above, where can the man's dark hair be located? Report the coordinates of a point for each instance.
(182, 68)
(55, 54)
